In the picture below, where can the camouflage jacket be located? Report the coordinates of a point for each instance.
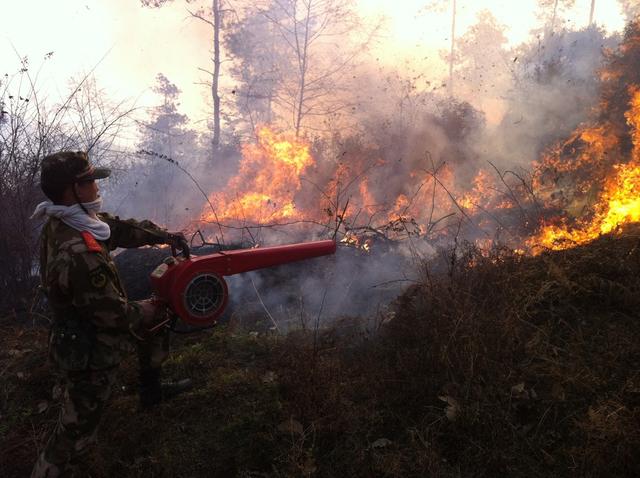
(92, 316)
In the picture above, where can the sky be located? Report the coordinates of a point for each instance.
(126, 45)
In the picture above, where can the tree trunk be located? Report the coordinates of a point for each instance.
(593, 7)
(302, 62)
(453, 44)
(553, 18)
(216, 7)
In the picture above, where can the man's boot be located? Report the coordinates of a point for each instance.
(153, 391)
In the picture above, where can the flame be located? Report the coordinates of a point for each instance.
(353, 240)
(482, 195)
(590, 183)
(267, 181)
(617, 203)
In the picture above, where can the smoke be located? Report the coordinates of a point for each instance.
(317, 292)
(167, 190)
(379, 164)
(555, 88)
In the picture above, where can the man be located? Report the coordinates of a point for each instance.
(93, 322)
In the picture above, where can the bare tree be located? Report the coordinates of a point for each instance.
(631, 8)
(258, 61)
(165, 132)
(31, 128)
(440, 5)
(215, 23)
(212, 16)
(593, 7)
(483, 60)
(315, 36)
(555, 7)
(453, 44)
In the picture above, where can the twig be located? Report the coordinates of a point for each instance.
(455, 202)
(34, 301)
(434, 224)
(17, 445)
(203, 241)
(317, 325)
(394, 282)
(253, 239)
(273, 224)
(321, 191)
(177, 165)
(494, 217)
(341, 218)
(264, 306)
(513, 196)
(527, 188)
(302, 322)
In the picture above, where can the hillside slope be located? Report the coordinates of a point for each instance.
(495, 365)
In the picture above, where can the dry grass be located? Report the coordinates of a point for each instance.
(496, 365)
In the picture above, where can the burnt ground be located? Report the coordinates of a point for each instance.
(496, 365)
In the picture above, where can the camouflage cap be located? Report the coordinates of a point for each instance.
(68, 167)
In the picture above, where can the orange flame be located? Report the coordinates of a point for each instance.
(618, 202)
(267, 181)
(481, 195)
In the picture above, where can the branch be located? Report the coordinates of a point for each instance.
(177, 165)
(200, 17)
(264, 306)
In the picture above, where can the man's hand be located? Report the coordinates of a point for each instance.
(154, 315)
(177, 241)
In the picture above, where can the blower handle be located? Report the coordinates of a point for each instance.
(184, 246)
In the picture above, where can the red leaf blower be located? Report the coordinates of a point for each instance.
(194, 287)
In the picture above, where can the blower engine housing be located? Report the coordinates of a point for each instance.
(195, 289)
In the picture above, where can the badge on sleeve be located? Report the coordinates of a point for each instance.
(98, 278)
(91, 242)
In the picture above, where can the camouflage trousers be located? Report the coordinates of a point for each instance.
(85, 396)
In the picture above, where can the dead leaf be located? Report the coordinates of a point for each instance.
(42, 406)
(381, 443)
(56, 393)
(291, 426)
(557, 392)
(309, 467)
(453, 407)
(517, 389)
(548, 458)
(269, 377)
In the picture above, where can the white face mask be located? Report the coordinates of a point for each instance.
(93, 207)
(76, 218)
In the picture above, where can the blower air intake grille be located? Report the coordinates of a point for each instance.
(204, 295)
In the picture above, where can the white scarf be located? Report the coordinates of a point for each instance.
(75, 217)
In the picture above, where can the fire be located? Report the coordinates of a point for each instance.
(618, 202)
(482, 195)
(267, 181)
(351, 239)
(582, 188)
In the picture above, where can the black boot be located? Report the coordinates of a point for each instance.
(153, 391)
